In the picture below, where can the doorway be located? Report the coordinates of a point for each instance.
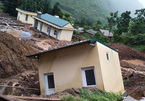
(49, 84)
(48, 30)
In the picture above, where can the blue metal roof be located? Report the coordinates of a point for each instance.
(54, 20)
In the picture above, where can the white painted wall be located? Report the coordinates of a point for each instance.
(22, 17)
(66, 35)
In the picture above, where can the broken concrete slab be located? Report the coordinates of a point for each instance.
(25, 34)
(129, 98)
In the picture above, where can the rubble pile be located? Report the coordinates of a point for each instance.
(12, 56)
(23, 84)
(59, 44)
(137, 65)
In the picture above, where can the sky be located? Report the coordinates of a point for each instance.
(143, 2)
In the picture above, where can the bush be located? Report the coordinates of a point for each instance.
(102, 38)
(69, 98)
(75, 32)
(95, 95)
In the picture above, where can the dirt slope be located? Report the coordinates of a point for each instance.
(12, 56)
(127, 53)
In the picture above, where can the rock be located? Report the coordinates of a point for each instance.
(76, 90)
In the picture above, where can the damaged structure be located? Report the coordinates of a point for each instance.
(88, 63)
(51, 25)
(54, 26)
(25, 16)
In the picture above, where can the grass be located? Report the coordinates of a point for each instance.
(94, 95)
(139, 47)
(126, 82)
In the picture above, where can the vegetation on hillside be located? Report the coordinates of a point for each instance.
(130, 31)
(94, 95)
(88, 9)
(44, 6)
(127, 30)
(95, 10)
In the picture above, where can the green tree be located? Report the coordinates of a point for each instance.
(98, 25)
(112, 20)
(67, 16)
(10, 6)
(123, 22)
(1, 6)
(137, 25)
(43, 6)
(56, 10)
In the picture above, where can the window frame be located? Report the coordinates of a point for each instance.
(55, 31)
(84, 80)
(107, 56)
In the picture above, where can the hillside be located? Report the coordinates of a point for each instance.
(91, 9)
(12, 56)
(97, 9)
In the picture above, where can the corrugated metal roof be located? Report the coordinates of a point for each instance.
(90, 31)
(106, 32)
(54, 20)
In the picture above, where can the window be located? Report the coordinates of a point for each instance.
(107, 56)
(50, 81)
(26, 18)
(88, 77)
(55, 32)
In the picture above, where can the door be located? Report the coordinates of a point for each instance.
(88, 77)
(49, 84)
(48, 30)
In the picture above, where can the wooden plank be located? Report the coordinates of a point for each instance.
(33, 98)
(4, 98)
(7, 24)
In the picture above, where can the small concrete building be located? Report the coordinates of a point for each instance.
(85, 64)
(25, 16)
(54, 26)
